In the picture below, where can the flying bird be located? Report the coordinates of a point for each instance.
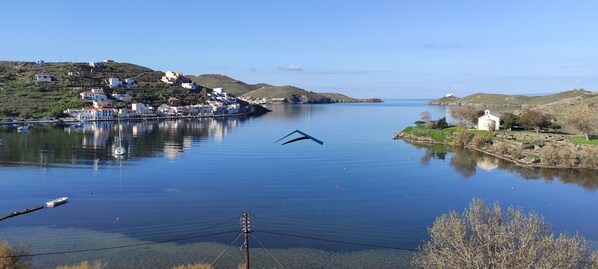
(305, 136)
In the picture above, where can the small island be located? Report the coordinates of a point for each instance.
(557, 134)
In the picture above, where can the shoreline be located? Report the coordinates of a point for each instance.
(135, 119)
(536, 163)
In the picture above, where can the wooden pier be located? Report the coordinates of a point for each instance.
(14, 214)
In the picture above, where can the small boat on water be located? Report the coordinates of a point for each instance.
(23, 128)
(78, 125)
(57, 202)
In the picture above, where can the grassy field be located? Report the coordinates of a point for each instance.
(582, 140)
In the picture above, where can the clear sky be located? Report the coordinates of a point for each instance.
(387, 49)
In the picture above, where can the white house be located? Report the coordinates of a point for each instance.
(488, 122)
(130, 83)
(189, 85)
(103, 103)
(114, 83)
(125, 97)
(140, 107)
(43, 78)
(40, 63)
(93, 95)
(171, 78)
(87, 114)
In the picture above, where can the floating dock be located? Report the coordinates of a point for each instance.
(14, 214)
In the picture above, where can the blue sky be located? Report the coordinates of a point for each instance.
(387, 49)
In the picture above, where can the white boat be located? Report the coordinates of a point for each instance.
(119, 150)
(23, 128)
(57, 202)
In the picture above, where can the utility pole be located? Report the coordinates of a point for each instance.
(246, 228)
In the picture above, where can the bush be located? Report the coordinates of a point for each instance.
(517, 153)
(98, 264)
(483, 237)
(479, 141)
(502, 148)
(462, 139)
(12, 257)
(440, 124)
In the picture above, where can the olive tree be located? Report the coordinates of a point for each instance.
(490, 237)
(534, 119)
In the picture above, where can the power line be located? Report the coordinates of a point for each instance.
(336, 241)
(275, 259)
(226, 249)
(116, 247)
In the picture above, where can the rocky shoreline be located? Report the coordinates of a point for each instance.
(524, 149)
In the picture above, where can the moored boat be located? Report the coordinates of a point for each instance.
(23, 128)
(57, 202)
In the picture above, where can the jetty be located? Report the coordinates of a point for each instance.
(14, 214)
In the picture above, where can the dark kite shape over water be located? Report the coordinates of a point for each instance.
(305, 136)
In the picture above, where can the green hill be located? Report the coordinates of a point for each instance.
(571, 106)
(228, 84)
(21, 94)
(290, 94)
(485, 99)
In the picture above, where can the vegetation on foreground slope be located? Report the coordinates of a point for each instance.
(490, 237)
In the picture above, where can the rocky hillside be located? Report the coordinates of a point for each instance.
(503, 100)
(230, 85)
(571, 106)
(291, 94)
(20, 93)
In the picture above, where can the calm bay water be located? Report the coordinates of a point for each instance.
(192, 178)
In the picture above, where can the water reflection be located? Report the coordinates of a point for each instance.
(93, 143)
(467, 162)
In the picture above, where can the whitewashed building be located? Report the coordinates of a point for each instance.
(114, 83)
(103, 103)
(124, 97)
(88, 114)
(40, 63)
(189, 85)
(93, 95)
(130, 83)
(43, 78)
(488, 122)
(171, 78)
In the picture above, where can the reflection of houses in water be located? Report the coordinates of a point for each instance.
(100, 134)
(487, 163)
(138, 129)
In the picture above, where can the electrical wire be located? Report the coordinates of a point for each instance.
(226, 249)
(335, 241)
(268, 251)
(116, 247)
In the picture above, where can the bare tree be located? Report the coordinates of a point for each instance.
(584, 123)
(426, 117)
(465, 116)
(483, 237)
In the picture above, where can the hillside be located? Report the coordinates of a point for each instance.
(503, 100)
(20, 93)
(291, 94)
(230, 85)
(571, 106)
